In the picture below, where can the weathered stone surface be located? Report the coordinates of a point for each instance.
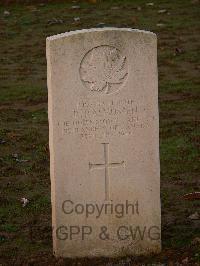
(104, 142)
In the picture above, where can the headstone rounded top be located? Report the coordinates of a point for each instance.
(70, 33)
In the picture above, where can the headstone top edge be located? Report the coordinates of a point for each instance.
(104, 29)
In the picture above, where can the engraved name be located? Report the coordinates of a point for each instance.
(106, 118)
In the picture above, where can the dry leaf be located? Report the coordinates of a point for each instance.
(192, 196)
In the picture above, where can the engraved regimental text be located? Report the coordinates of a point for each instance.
(106, 118)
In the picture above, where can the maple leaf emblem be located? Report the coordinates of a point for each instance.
(103, 67)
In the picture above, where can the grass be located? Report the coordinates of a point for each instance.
(25, 232)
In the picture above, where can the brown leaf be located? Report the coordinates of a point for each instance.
(192, 196)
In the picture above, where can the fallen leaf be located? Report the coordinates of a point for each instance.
(75, 7)
(192, 196)
(101, 24)
(24, 202)
(6, 13)
(160, 25)
(76, 19)
(114, 7)
(162, 11)
(55, 21)
(178, 51)
(196, 241)
(21, 161)
(185, 261)
(194, 216)
(150, 4)
(15, 155)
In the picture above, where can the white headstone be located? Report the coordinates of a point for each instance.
(104, 142)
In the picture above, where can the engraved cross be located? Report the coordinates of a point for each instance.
(106, 165)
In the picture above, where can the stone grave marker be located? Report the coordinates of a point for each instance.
(104, 142)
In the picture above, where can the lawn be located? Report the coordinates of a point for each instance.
(25, 232)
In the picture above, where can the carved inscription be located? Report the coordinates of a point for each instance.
(106, 118)
(106, 166)
(103, 69)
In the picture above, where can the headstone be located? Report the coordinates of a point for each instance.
(104, 142)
